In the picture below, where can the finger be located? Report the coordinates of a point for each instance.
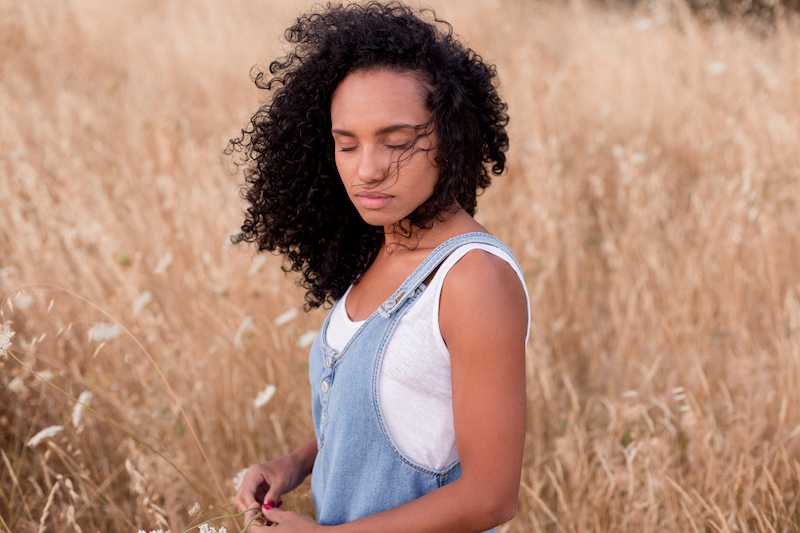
(246, 501)
(273, 498)
(273, 516)
(258, 527)
(249, 516)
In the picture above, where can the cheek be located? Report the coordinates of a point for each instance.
(341, 168)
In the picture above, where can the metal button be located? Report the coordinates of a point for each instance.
(322, 419)
(329, 361)
(389, 305)
(324, 386)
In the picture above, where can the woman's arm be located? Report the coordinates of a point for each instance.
(483, 318)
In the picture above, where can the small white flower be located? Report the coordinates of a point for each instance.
(44, 374)
(238, 478)
(286, 317)
(103, 332)
(17, 385)
(77, 411)
(264, 396)
(245, 330)
(257, 265)
(638, 158)
(717, 68)
(195, 510)
(163, 263)
(307, 339)
(228, 242)
(23, 301)
(6, 334)
(46, 433)
(141, 302)
(643, 24)
(205, 528)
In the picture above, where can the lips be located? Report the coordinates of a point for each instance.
(371, 200)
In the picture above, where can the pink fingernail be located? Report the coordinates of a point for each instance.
(279, 503)
(267, 506)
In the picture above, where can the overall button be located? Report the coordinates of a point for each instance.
(329, 361)
(322, 419)
(324, 386)
(389, 305)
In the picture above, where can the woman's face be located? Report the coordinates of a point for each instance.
(384, 157)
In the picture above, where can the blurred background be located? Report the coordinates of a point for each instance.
(651, 198)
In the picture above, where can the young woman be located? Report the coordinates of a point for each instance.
(363, 170)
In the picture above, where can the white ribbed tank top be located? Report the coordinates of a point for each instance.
(414, 387)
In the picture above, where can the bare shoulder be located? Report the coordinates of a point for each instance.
(482, 292)
(480, 275)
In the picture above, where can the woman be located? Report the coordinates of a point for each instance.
(363, 170)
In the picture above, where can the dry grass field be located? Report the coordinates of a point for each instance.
(652, 199)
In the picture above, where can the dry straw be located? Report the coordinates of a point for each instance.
(651, 198)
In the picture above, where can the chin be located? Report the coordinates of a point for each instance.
(378, 218)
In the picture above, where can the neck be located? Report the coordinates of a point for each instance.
(405, 235)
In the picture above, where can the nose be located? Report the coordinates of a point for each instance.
(373, 166)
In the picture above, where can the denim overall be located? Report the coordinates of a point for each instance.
(358, 470)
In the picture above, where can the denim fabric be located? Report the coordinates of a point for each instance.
(358, 470)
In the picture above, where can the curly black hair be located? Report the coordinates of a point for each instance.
(298, 204)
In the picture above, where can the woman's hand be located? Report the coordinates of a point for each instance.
(287, 522)
(265, 483)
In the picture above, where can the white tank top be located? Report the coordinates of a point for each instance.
(414, 388)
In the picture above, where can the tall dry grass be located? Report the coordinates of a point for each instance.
(652, 199)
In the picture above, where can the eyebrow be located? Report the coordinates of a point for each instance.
(382, 131)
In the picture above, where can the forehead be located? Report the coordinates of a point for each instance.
(380, 95)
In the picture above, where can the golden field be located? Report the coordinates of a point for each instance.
(652, 198)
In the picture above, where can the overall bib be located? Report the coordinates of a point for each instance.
(358, 470)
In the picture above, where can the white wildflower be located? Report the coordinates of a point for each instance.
(307, 339)
(258, 263)
(195, 510)
(638, 158)
(205, 528)
(6, 334)
(103, 332)
(245, 330)
(77, 411)
(717, 68)
(23, 300)
(163, 263)
(228, 242)
(46, 433)
(45, 374)
(17, 385)
(141, 302)
(643, 24)
(238, 478)
(264, 396)
(286, 316)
